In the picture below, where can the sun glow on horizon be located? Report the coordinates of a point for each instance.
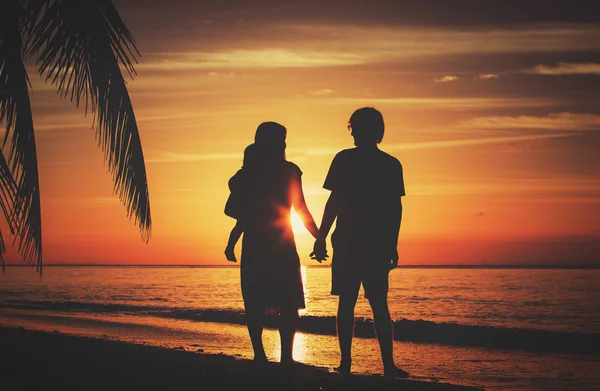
(297, 224)
(493, 174)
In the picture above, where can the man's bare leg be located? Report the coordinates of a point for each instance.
(345, 330)
(384, 329)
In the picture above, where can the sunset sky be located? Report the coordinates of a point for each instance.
(493, 108)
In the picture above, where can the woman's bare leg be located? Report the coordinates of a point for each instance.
(287, 330)
(255, 317)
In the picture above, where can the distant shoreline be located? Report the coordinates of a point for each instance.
(561, 267)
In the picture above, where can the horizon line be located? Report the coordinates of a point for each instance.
(448, 266)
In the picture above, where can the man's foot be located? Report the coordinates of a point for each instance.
(260, 359)
(394, 372)
(291, 365)
(343, 369)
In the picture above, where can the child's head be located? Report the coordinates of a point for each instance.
(250, 155)
(366, 125)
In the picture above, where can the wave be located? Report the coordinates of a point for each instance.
(421, 331)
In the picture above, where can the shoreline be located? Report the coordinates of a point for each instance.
(537, 341)
(35, 359)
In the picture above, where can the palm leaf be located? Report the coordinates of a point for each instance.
(82, 45)
(2, 251)
(21, 205)
(8, 193)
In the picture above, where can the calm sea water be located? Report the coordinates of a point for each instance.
(560, 300)
(548, 320)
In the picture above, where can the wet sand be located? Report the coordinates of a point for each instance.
(31, 360)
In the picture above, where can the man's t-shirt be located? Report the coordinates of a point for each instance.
(367, 184)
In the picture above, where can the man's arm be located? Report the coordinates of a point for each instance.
(397, 218)
(329, 214)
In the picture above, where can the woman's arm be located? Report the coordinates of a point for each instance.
(301, 208)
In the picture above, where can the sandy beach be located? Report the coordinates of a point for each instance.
(31, 360)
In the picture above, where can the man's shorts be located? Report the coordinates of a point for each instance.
(350, 269)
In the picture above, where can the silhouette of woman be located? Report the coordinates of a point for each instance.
(270, 266)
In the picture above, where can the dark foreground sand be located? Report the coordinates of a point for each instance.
(35, 360)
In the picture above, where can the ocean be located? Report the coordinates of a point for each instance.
(499, 328)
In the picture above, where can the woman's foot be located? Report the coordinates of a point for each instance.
(393, 372)
(344, 368)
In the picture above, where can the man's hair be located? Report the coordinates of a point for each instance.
(368, 121)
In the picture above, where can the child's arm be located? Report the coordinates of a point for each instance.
(234, 236)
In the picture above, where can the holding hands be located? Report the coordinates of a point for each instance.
(319, 252)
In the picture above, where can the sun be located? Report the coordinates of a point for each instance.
(297, 224)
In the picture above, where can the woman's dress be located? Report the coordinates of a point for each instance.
(270, 266)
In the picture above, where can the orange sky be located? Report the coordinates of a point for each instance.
(497, 126)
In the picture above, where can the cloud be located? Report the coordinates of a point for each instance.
(250, 58)
(553, 121)
(285, 46)
(455, 103)
(297, 154)
(223, 74)
(85, 201)
(487, 76)
(445, 79)
(565, 68)
(210, 20)
(324, 91)
(411, 146)
(179, 157)
(469, 142)
(557, 189)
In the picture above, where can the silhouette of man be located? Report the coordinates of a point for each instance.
(366, 187)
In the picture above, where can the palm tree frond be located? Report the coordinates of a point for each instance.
(82, 45)
(15, 114)
(2, 251)
(8, 193)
